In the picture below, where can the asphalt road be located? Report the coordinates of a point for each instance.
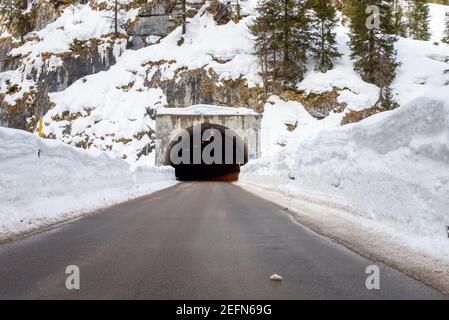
(205, 240)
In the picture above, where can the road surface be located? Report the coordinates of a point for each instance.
(206, 240)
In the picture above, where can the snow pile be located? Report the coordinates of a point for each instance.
(391, 171)
(43, 181)
(281, 119)
(424, 69)
(204, 109)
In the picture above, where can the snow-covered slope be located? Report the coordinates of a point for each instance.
(44, 181)
(424, 68)
(390, 171)
(113, 110)
(67, 43)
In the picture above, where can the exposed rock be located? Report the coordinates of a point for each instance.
(43, 14)
(155, 25)
(319, 105)
(75, 65)
(222, 12)
(356, 116)
(157, 8)
(7, 62)
(153, 20)
(200, 86)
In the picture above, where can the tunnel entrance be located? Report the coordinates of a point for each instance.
(207, 152)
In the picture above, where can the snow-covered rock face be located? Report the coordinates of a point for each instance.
(213, 63)
(206, 110)
(66, 44)
(117, 107)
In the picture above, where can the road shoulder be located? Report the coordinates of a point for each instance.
(325, 220)
(49, 223)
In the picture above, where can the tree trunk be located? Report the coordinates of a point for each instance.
(184, 17)
(116, 17)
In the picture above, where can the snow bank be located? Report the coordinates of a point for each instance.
(390, 171)
(45, 181)
(280, 117)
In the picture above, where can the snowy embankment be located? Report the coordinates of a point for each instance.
(43, 182)
(389, 172)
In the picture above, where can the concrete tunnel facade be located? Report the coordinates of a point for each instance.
(171, 122)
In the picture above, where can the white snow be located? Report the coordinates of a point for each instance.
(356, 93)
(390, 171)
(76, 22)
(437, 16)
(204, 109)
(64, 183)
(279, 114)
(120, 100)
(41, 49)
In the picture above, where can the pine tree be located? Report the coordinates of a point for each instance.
(324, 44)
(14, 16)
(344, 6)
(179, 16)
(387, 101)
(265, 44)
(282, 38)
(446, 31)
(293, 39)
(115, 17)
(418, 20)
(238, 9)
(399, 23)
(373, 49)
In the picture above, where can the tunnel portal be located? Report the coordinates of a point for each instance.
(207, 142)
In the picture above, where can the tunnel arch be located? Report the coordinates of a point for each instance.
(234, 152)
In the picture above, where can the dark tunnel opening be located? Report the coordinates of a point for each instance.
(207, 152)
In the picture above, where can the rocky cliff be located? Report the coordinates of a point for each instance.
(101, 89)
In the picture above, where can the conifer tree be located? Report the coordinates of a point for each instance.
(294, 40)
(373, 49)
(324, 44)
(344, 7)
(387, 101)
(446, 30)
(418, 20)
(282, 39)
(399, 23)
(179, 16)
(14, 16)
(238, 9)
(265, 41)
(116, 17)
